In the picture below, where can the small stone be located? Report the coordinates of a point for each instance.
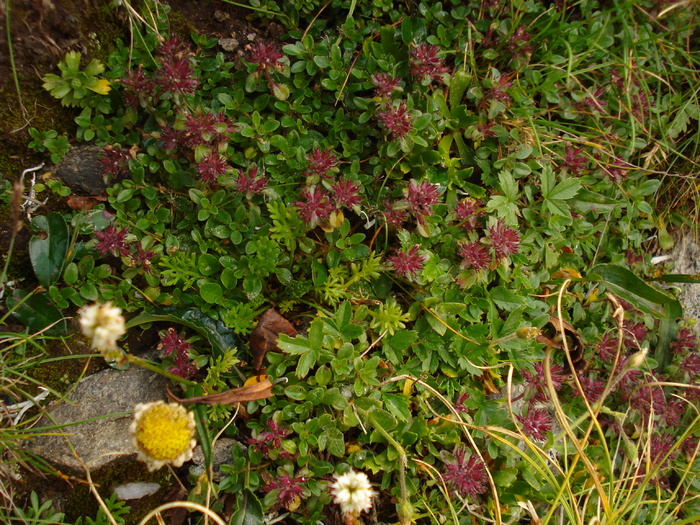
(135, 490)
(81, 170)
(229, 44)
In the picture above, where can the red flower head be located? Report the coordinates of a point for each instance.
(407, 264)
(468, 211)
(266, 54)
(112, 240)
(321, 162)
(425, 63)
(504, 240)
(249, 183)
(345, 193)
(475, 255)
(386, 85)
(467, 477)
(421, 197)
(573, 160)
(397, 121)
(536, 424)
(315, 207)
(211, 167)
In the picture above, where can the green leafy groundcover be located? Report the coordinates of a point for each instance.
(432, 193)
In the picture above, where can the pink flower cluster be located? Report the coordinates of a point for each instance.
(271, 439)
(175, 346)
(425, 63)
(504, 242)
(173, 78)
(316, 203)
(466, 476)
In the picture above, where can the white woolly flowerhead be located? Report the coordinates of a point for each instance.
(353, 492)
(104, 324)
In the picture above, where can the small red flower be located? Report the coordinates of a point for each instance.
(475, 255)
(421, 197)
(537, 382)
(112, 240)
(175, 74)
(467, 477)
(518, 42)
(345, 193)
(425, 63)
(271, 438)
(397, 121)
(289, 488)
(250, 183)
(573, 160)
(386, 85)
(395, 214)
(211, 167)
(536, 423)
(468, 211)
(173, 344)
(115, 162)
(315, 207)
(504, 240)
(266, 54)
(498, 91)
(137, 87)
(143, 258)
(618, 170)
(407, 264)
(321, 162)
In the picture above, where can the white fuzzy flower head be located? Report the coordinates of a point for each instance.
(104, 324)
(163, 433)
(353, 492)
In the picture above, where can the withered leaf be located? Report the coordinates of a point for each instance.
(254, 392)
(79, 202)
(573, 339)
(264, 337)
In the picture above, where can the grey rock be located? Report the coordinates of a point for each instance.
(686, 257)
(222, 454)
(81, 170)
(101, 442)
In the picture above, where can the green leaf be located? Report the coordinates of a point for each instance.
(208, 264)
(219, 337)
(293, 345)
(625, 284)
(48, 254)
(248, 509)
(37, 312)
(505, 477)
(566, 189)
(316, 333)
(306, 362)
(333, 441)
(381, 418)
(505, 299)
(211, 292)
(398, 405)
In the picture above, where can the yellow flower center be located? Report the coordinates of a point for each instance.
(164, 432)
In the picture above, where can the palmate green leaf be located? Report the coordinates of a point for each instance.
(214, 331)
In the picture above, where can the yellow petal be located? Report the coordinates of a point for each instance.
(102, 87)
